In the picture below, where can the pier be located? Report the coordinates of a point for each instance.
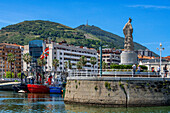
(118, 90)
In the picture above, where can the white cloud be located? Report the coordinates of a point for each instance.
(155, 43)
(150, 6)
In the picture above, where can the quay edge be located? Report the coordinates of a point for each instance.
(118, 91)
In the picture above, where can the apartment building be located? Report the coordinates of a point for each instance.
(64, 53)
(145, 52)
(15, 49)
(110, 56)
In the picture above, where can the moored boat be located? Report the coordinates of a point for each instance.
(54, 89)
(38, 88)
(57, 85)
(17, 88)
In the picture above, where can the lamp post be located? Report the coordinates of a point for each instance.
(100, 48)
(160, 49)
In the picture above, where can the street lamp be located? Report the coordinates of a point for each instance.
(160, 49)
(100, 48)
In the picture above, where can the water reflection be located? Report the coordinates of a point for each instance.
(51, 103)
(23, 102)
(94, 109)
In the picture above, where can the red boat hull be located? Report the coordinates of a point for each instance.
(35, 88)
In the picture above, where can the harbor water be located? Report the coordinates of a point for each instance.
(11, 102)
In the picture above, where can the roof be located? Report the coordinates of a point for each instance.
(145, 57)
(12, 45)
(167, 58)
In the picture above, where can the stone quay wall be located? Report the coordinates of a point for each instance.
(111, 91)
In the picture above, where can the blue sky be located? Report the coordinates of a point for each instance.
(150, 18)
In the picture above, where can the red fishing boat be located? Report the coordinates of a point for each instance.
(38, 88)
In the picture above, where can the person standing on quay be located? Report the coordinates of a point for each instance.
(138, 69)
(158, 69)
(165, 70)
(134, 68)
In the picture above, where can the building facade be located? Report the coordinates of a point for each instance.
(16, 50)
(110, 56)
(64, 53)
(35, 49)
(145, 52)
(154, 63)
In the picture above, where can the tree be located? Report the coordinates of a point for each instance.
(27, 59)
(66, 65)
(19, 75)
(79, 65)
(10, 59)
(104, 65)
(8, 74)
(69, 64)
(93, 61)
(41, 63)
(83, 60)
(55, 64)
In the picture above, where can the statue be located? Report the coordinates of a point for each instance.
(128, 56)
(128, 30)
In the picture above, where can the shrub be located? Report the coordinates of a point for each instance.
(144, 67)
(106, 84)
(115, 66)
(96, 88)
(8, 74)
(19, 75)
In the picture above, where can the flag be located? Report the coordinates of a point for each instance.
(45, 53)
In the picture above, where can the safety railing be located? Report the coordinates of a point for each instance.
(116, 73)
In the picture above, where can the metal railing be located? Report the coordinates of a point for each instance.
(115, 73)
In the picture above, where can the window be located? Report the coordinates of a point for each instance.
(54, 52)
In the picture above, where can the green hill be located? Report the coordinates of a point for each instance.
(89, 36)
(23, 32)
(113, 40)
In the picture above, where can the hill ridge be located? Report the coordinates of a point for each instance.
(89, 36)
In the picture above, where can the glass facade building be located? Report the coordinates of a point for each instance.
(35, 50)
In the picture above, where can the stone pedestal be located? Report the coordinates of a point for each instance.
(128, 58)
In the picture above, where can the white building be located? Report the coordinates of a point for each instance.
(64, 52)
(154, 63)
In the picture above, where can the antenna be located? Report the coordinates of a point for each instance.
(87, 23)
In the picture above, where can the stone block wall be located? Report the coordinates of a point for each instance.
(118, 92)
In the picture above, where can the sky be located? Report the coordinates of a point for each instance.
(150, 18)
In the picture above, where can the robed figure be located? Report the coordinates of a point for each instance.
(128, 30)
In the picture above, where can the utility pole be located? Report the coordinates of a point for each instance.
(100, 49)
